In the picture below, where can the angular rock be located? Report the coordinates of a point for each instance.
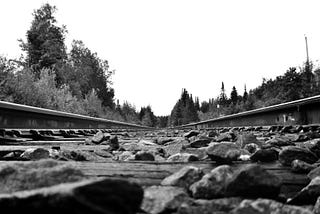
(265, 155)
(309, 194)
(125, 155)
(184, 177)
(229, 136)
(182, 157)
(223, 152)
(175, 146)
(161, 199)
(36, 174)
(35, 154)
(164, 140)
(253, 181)
(144, 156)
(299, 166)
(265, 206)
(191, 133)
(99, 137)
(291, 153)
(280, 141)
(90, 196)
(244, 139)
(200, 143)
(201, 153)
(212, 184)
(200, 206)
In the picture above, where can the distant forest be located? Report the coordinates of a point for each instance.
(296, 83)
(78, 81)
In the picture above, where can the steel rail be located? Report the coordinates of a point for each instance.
(17, 116)
(303, 111)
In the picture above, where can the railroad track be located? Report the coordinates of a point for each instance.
(23, 128)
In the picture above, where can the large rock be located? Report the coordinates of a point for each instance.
(253, 181)
(291, 153)
(176, 146)
(200, 206)
(124, 156)
(223, 152)
(280, 141)
(184, 177)
(228, 136)
(36, 174)
(265, 155)
(199, 143)
(35, 154)
(182, 157)
(144, 156)
(191, 133)
(212, 185)
(99, 137)
(161, 199)
(309, 194)
(142, 145)
(90, 196)
(247, 138)
(266, 206)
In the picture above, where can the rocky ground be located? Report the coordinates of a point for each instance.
(46, 177)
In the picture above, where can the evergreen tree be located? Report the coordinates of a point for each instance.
(234, 95)
(223, 96)
(197, 104)
(45, 46)
(245, 94)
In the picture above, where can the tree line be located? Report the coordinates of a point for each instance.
(76, 80)
(296, 83)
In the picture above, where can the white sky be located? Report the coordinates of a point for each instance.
(159, 47)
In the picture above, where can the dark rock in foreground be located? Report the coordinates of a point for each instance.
(90, 196)
(309, 194)
(253, 181)
(265, 155)
(36, 174)
(291, 153)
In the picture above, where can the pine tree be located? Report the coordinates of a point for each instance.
(197, 104)
(234, 95)
(223, 96)
(245, 94)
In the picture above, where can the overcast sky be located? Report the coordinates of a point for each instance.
(159, 47)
